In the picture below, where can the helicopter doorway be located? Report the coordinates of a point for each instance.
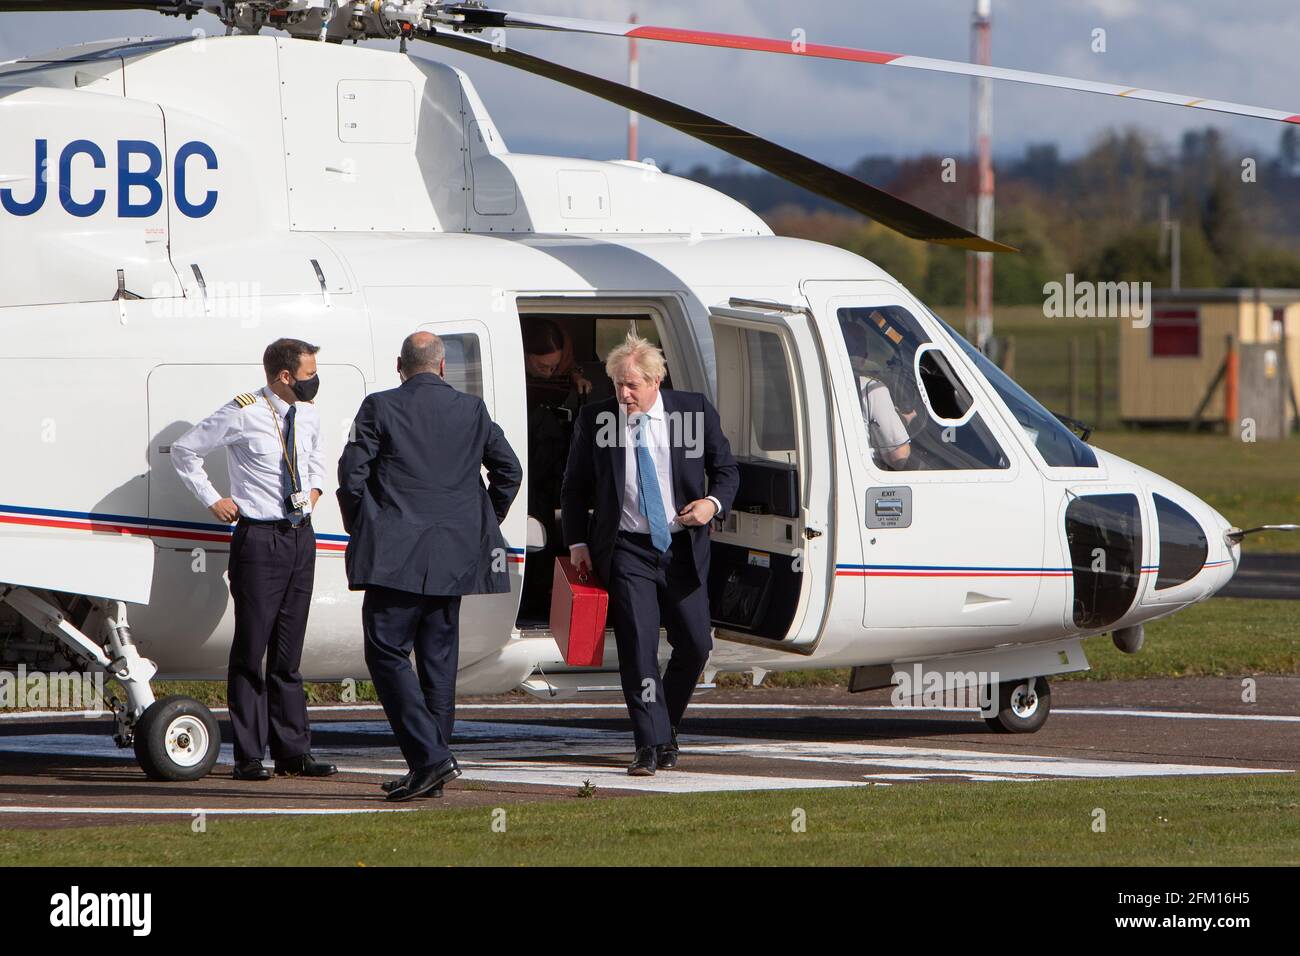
(565, 345)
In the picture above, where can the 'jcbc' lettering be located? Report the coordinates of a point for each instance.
(139, 189)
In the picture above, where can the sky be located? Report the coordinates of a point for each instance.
(1244, 51)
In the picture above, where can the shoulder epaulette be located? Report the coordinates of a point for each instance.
(243, 401)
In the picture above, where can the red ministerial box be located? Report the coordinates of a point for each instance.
(578, 610)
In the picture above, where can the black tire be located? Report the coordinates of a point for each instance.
(176, 739)
(1014, 716)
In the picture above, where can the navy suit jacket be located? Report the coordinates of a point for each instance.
(593, 478)
(412, 495)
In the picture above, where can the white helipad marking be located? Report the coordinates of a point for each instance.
(209, 811)
(616, 778)
(499, 752)
(965, 761)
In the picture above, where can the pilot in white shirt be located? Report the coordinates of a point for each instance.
(251, 427)
(272, 437)
(891, 445)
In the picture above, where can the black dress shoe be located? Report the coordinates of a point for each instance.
(643, 765)
(668, 754)
(424, 782)
(304, 765)
(388, 786)
(251, 770)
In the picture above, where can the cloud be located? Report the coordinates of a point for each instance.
(836, 111)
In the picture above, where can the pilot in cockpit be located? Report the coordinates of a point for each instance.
(891, 444)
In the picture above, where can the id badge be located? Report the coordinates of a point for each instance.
(300, 501)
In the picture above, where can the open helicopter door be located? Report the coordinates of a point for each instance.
(770, 569)
(950, 508)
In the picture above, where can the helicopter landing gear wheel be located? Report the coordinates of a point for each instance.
(1023, 706)
(177, 738)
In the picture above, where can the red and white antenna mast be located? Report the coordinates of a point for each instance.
(979, 265)
(634, 81)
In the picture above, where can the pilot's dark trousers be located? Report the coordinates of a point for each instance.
(420, 704)
(272, 570)
(645, 588)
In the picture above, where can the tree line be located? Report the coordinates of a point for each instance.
(1097, 215)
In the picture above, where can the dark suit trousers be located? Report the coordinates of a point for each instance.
(421, 708)
(645, 588)
(272, 570)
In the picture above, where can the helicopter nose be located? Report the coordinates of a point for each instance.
(1224, 554)
(1194, 544)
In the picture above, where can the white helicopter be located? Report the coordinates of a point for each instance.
(167, 207)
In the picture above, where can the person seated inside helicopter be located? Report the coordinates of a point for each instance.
(887, 418)
(549, 361)
(555, 388)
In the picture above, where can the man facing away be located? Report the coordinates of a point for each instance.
(423, 532)
(276, 475)
(654, 469)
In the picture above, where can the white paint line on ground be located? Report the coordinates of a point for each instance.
(209, 811)
(776, 708)
(933, 777)
(616, 778)
(1071, 711)
(572, 777)
(966, 761)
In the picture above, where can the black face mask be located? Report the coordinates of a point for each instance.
(306, 389)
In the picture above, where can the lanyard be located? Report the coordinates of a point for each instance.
(284, 449)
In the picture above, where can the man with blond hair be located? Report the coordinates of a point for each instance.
(648, 471)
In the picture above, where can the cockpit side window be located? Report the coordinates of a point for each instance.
(944, 392)
(1059, 446)
(1183, 545)
(919, 415)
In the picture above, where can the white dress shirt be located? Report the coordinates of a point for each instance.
(252, 435)
(655, 436)
(885, 425)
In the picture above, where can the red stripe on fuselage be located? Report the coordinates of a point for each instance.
(108, 527)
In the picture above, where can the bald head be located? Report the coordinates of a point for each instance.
(421, 352)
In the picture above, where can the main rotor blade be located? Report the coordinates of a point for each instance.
(884, 208)
(480, 18)
(65, 6)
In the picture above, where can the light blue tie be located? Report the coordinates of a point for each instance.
(647, 482)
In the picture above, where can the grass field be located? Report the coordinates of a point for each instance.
(1189, 821)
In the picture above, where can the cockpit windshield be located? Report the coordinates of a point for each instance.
(1059, 446)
